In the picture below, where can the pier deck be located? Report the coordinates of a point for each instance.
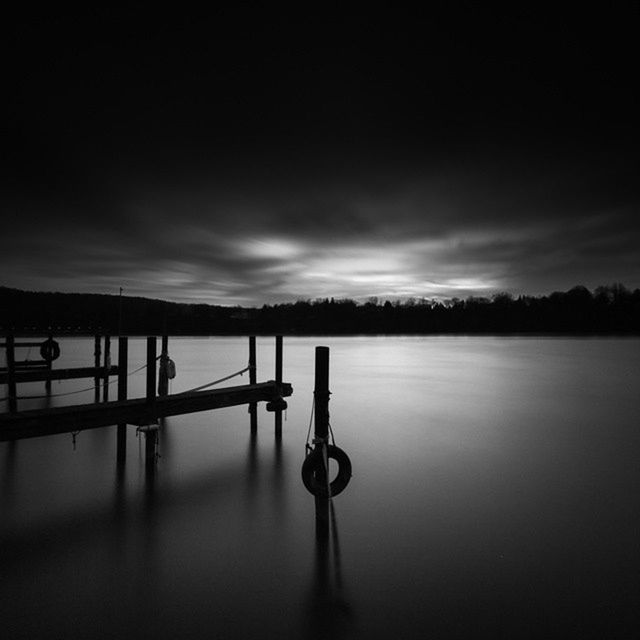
(44, 422)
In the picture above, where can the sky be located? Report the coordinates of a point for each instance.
(261, 158)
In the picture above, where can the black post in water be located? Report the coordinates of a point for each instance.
(163, 374)
(151, 370)
(47, 382)
(123, 349)
(151, 432)
(107, 365)
(321, 424)
(278, 413)
(96, 364)
(11, 374)
(253, 406)
(321, 393)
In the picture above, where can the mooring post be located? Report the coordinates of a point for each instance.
(151, 434)
(123, 349)
(163, 374)
(96, 364)
(253, 378)
(321, 395)
(47, 382)
(278, 413)
(11, 374)
(107, 366)
(151, 370)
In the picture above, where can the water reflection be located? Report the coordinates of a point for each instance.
(330, 614)
(9, 473)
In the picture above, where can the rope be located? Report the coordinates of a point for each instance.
(71, 393)
(307, 446)
(333, 440)
(210, 384)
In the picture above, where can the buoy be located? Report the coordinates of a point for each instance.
(50, 350)
(279, 404)
(171, 369)
(314, 462)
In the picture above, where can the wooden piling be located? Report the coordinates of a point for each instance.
(163, 378)
(47, 382)
(253, 407)
(96, 362)
(321, 395)
(278, 413)
(107, 367)
(151, 434)
(151, 441)
(11, 374)
(151, 370)
(123, 348)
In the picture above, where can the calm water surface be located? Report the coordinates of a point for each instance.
(495, 492)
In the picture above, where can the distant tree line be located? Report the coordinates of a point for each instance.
(608, 309)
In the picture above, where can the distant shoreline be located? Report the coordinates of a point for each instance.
(609, 310)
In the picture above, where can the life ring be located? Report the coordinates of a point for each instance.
(50, 350)
(314, 462)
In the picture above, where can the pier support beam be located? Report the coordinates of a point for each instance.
(278, 413)
(163, 377)
(253, 406)
(107, 367)
(96, 363)
(151, 443)
(47, 382)
(151, 432)
(123, 348)
(11, 374)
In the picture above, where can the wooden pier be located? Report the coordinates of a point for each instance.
(142, 412)
(46, 422)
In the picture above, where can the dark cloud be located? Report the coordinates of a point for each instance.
(199, 158)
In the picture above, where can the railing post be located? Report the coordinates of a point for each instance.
(107, 366)
(163, 378)
(11, 374)
(96, 364)
(123, 349)
(151, 434)
(151, 370)
(253, 406)
(47, 382)
(278, 413)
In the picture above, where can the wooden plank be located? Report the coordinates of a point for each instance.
(29, 363)
(42, 422)
(23, 344)
(11, 375)
(39, 375)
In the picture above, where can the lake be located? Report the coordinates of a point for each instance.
(495, 492)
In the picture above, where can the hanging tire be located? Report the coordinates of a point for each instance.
(50, 350)
(314, 463)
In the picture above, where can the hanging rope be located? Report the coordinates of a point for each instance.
(70, 393)
(210, 384)
(307, 446)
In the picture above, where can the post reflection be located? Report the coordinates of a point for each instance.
(329, 613)
(7, 491)
(252, 463)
